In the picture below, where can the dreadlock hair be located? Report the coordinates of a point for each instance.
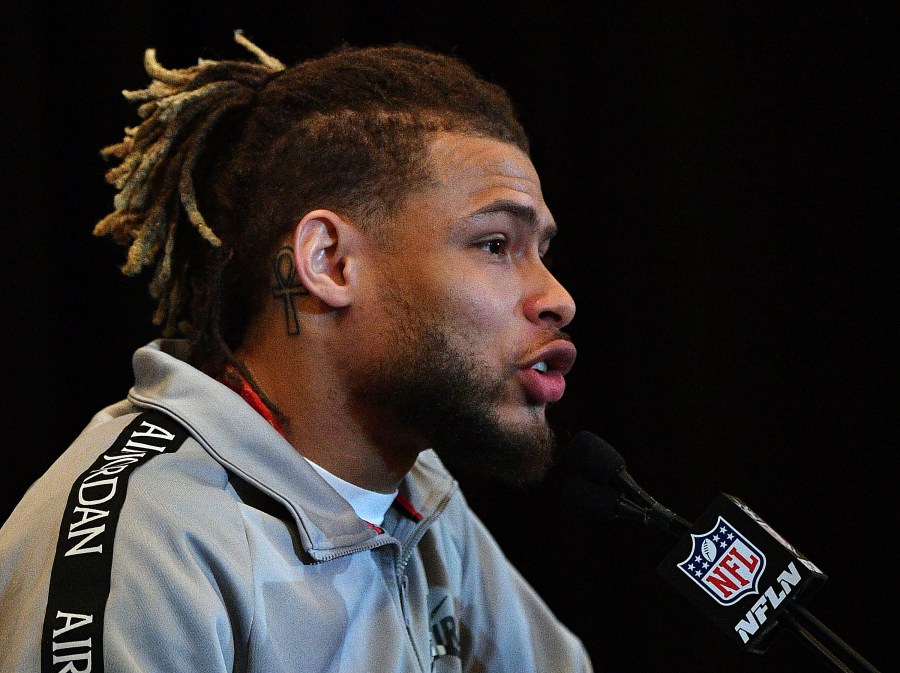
(230, 155)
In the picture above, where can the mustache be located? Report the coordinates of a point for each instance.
(546, 344)
(547, 336)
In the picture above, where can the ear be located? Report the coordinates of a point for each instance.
(326, 249)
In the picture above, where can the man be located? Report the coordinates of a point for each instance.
(351, 251)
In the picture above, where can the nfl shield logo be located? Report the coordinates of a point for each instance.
(724, 563)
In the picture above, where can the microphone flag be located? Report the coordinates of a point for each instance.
(724, 563)
(737, 570)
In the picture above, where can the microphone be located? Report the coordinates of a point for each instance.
(601, 484)
(730, 564)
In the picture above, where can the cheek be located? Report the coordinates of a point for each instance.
(473, 303)
(481, 306)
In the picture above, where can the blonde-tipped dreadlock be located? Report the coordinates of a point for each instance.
(155, 180)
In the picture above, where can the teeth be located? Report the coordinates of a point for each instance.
(541, 367)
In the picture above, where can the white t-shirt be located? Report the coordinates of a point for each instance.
(369, 505)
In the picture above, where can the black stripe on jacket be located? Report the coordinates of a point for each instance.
(72, 638)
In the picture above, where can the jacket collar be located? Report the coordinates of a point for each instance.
(236, 436)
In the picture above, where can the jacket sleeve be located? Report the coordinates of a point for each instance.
(181, 583)
(180, 591)
(504, 623)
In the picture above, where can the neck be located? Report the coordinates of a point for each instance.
(322, 420)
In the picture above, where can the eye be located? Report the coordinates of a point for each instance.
(496, 245)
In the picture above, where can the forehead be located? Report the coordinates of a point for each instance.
(471, 177)
(461, 163)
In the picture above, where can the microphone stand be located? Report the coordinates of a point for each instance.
(817, 637)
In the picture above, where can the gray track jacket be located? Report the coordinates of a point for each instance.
(231, 554)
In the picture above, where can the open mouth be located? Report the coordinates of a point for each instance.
(543, 377)
(541, 367)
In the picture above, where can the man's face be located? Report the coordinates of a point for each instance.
(468, 349)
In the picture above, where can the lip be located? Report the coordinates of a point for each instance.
(547, 387)
(559, 356)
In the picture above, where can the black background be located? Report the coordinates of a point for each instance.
(725, 181)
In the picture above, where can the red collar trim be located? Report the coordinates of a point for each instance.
(236, 381)
(404, 504)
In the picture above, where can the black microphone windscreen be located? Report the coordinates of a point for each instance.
(593, 458)
(585, 497)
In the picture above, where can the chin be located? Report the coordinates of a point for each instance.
(522, 416)
(515, 451)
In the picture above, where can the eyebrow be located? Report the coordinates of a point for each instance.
(525, 213)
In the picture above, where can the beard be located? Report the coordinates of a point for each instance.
(446, 395)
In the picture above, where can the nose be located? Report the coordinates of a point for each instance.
(549, 303)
